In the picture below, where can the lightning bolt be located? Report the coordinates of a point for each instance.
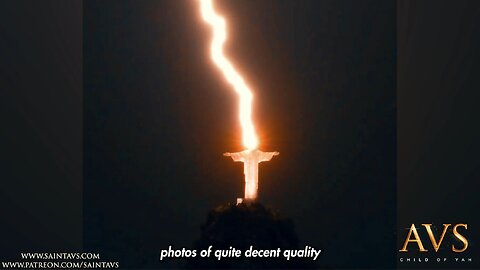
(218, 24)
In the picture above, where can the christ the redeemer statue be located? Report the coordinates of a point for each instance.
(250, 159)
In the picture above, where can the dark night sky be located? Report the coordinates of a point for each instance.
(324, 76)
(158, 115)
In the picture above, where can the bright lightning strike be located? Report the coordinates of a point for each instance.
(249, 138)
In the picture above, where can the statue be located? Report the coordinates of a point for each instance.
(250, 159)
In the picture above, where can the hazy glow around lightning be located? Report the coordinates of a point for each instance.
(249, 138)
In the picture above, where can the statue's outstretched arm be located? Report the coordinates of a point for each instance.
(266, 156)
(234, 156)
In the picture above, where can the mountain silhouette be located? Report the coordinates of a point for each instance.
(244, 225)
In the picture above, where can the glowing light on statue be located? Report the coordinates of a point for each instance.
(250, 161)
(252, 156)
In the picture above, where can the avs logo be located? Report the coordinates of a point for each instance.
(436, 243)
(433, 241)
